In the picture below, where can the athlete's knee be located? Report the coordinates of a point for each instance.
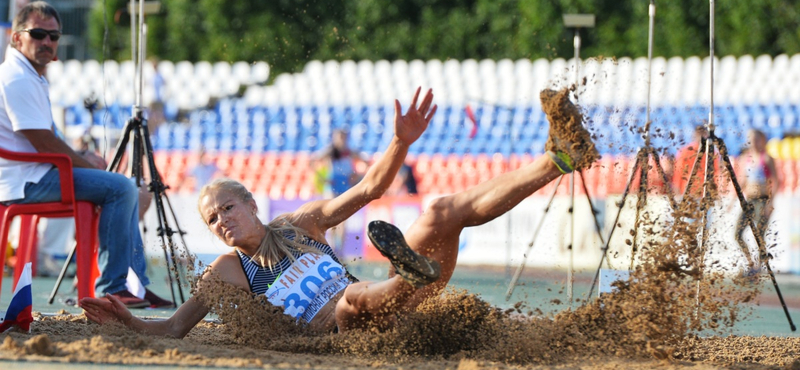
(348, 315)
(352, 298)
(440, 209)
(344, 305)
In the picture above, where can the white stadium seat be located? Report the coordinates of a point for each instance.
(259, 73)
(241, 72)
(222, 70)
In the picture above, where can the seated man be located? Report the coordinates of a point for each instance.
(26, 125)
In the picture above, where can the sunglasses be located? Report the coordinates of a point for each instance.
(41, 33)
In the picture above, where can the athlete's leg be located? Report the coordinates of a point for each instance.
(372, 303)
(435, 235)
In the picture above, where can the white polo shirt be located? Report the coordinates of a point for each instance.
(24, 105)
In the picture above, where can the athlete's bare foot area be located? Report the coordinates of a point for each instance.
(569, 145)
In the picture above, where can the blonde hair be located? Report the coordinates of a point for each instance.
(276, 243)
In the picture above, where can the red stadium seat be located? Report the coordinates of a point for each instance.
(499, 164)
(422, 165)
(255, 163)
(161, 159)
(619, 174)
(224, 161)
(275, 192)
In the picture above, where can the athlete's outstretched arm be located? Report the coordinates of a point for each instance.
(185, 318)
(319, 216)
(103, 311)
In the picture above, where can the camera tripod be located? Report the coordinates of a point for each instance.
(142, 149)
(641, 166)
(707, 151)
(571, 209)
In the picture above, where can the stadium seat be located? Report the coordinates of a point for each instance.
(297, 112)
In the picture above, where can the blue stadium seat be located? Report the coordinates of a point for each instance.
(789, 121)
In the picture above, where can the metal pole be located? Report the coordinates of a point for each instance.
(708, 147)
(131, 7)
(139, 69)
(711, 39)
(652, 13)
(576, 43)
(571, 271)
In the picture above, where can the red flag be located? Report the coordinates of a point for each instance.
(471, 116)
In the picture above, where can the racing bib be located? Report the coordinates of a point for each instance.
(307, 285)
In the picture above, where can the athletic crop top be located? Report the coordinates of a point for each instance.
(302, 286)
(757, 169)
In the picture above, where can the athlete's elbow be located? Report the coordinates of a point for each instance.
(174, 329)
(372, 190)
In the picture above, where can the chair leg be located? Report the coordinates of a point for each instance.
(26, 250)
(86, 240)
(4, 224)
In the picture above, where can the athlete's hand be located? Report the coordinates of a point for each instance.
(410, 126)
(105, 310)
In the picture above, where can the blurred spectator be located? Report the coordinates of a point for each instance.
(204, 171)
(157, 81)
(336, 164)
(156, 116)
(10, 262)
(341, 161)
(409, 179)
(405, 183)
(759, 181)
(683, 166)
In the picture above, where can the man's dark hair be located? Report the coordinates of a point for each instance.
(41, 8)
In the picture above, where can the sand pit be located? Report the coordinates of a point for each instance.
(649, 322)
(541, 344)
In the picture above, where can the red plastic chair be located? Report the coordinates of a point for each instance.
(86, 216)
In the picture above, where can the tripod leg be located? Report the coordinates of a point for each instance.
(181, 233)
(593, 210)
(190, 262)
(641, 201)
(62, 274)
(571, 272)
(705, 206)
(625, 193)
(158, 188)
(667, 184)
(521, 266)
(113, 166)
(758, 236)
(700, 152)
(709, 191)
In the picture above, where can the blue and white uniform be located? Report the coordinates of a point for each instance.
(302, 286)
